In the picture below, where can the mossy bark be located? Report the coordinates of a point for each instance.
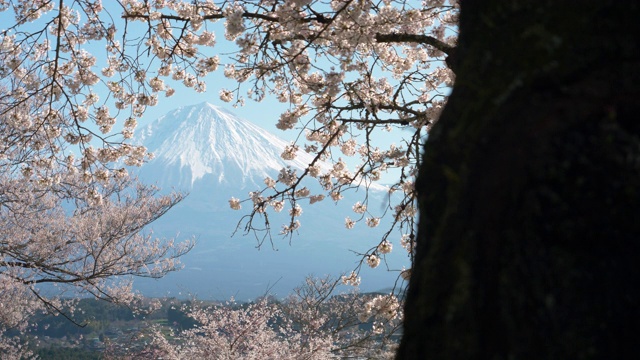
(529, 190)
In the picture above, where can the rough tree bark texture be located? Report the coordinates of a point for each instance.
(529, 237)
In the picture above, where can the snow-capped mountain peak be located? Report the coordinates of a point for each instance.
(205, 140)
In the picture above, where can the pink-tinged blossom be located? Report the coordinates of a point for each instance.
(314, 170)
(290, 152)
(316, 198)
(269, 182)
(277, 205)
(234, 25)
(373, 261)
(408, 242)
(373, 221)
(302, 193)
(226, 95)
(287, 176)
(359, 208)
(385, 247)
(288, 229)
(382, 306)
(348, 223)
(234, 204)
(295, 211)
(353, 279)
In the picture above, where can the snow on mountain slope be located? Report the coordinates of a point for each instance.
(206, 140)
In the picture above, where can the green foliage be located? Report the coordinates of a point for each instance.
(177, 317)
(90, 316)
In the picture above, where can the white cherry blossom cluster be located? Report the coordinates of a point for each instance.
(359, 208)
(288, 176)
(269, 182)
(408, 242)
(290, 152)
(235, 203)
(302, 192)
(277, 205)
(373, 260)
(349, 223)
(373, 221)
(316, 198)
(296, 210)
(226, 95)
(234, 24)
(259, 202)
(382, 306)
(385, 247)
(288, 229)
(352, 279)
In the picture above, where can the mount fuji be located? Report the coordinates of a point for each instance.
(212, 155)
(208, 141)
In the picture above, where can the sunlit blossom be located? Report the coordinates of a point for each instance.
(234, 203)
(373, 261)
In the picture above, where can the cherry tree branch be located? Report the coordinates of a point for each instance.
(415, 38)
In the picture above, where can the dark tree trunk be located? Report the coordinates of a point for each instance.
(529, 238)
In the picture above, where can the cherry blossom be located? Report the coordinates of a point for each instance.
(312, 323)
(373, 260)
(234, 203)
